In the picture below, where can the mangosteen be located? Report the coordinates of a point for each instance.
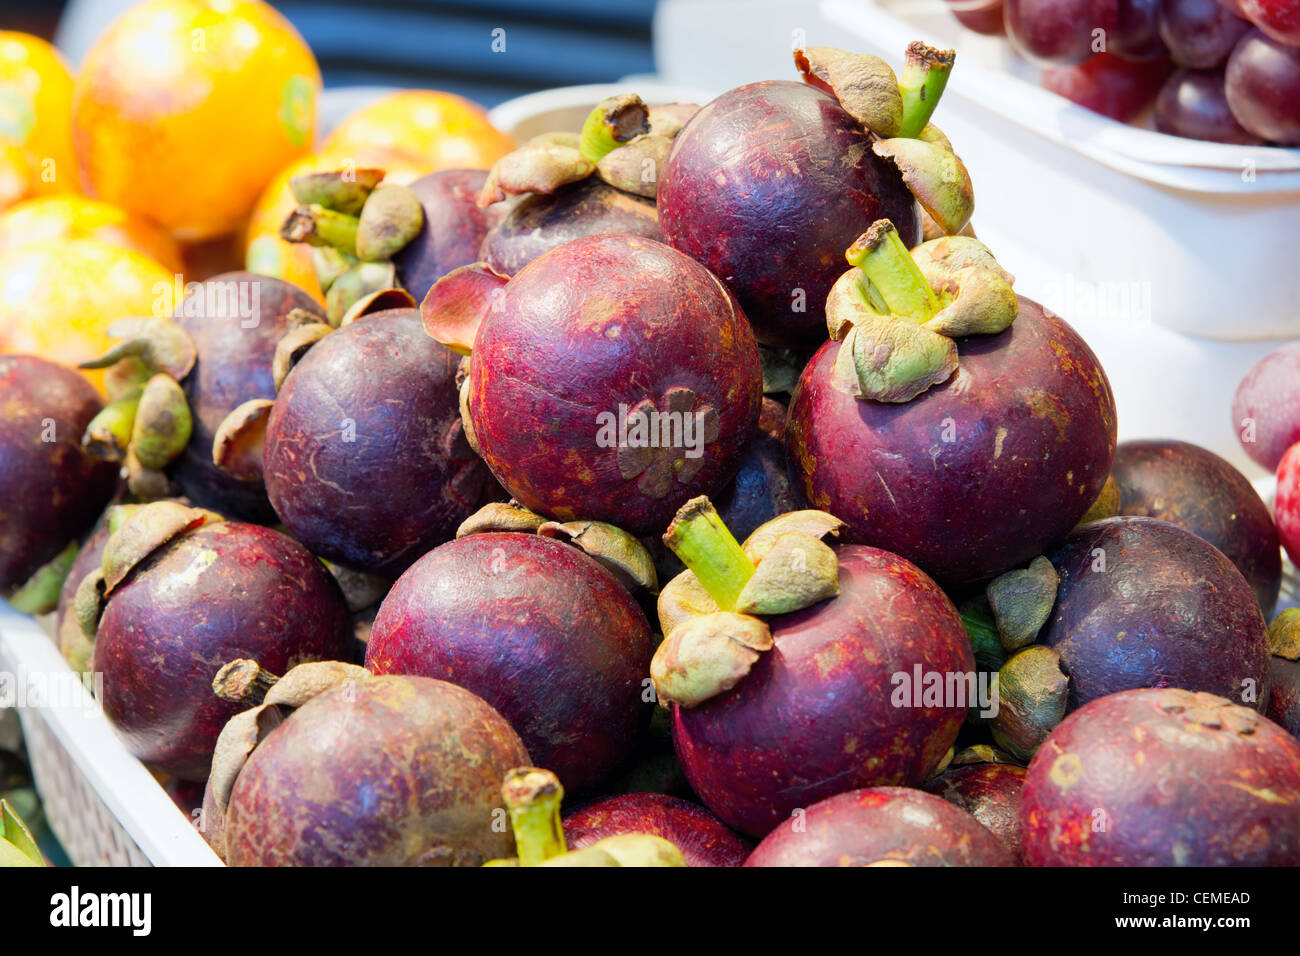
(1143, 603)
(337, 767)
(703, 839)
(990, 792)
(881, 826)
(611, 379)
(178, 593)
(1284, 671)
(1163, 777)
(794, 670)
(1193, 488)
(764, 184)
(50, 490)
(539, 630)
(601, 181)
(451, 232)
(949, 420)
(362, 452)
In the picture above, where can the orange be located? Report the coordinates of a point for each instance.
(58, 297)
(36, 156)
(268, 254)
(185, 109)
(442, 129)
(78, 217)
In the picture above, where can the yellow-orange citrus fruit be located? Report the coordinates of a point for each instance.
(78, 217)
(185, 109)
(442, 129)
(36, 156)
(268, 254)
(58, 297)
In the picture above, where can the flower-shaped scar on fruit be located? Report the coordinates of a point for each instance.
(711, 614)
(897, 313)
(533, 797)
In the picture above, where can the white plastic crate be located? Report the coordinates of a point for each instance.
(102, 804)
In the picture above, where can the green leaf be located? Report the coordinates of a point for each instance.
(17, 848)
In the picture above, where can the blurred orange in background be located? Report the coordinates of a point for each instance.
(79, 217)
(443, 130)
(58, 296)
(185, 109)
(36, 156)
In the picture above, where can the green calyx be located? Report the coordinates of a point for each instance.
(897, 313)
(17, 846)
(711, 614)
(39, 594)
(614, 121)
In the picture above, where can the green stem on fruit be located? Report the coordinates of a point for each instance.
(533, 798)
(893, 273)
(109, 433)
(243, 681)
(699, 538)
(614, 121)
(922, 81)
(318, 226)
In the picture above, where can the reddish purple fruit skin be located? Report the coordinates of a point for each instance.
(233, 367)
(1266, 406)
(1194, 104)
(815, 716)
(1142, 779)
(1284, 700)
(598, 323)
(1137, 31)
(225, 591)
(540, 631)
(1198, 491)
(1032, 422)
(398, 771)
(1263, 88)
(985, 18)
(767, 186)
(1168, 611)
(453, 230)
(1058, 31)
(407, 481)
(878, 824)
(703, 839)
(989, 792)
(50, 491)
(536, 224)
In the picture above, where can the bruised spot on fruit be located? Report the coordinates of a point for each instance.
(1043, 404)
(1066, 771)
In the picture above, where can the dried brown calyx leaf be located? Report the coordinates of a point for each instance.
(380, 301)
(818, 524)
(706, 656)
(237, 445)
(542, 165)
(159, 344)
(635, 167)
(292, 346)
(1284, 635)
(681, 599)
(613, 547)
(1022, 601)
(501, 516)
(235, 744)
(866, 86)
(392, 216)
(936, 177)
(144, 531)
(797, 572)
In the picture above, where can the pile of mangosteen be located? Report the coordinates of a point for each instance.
(699, 467)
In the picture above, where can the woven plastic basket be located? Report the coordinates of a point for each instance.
(102, 804)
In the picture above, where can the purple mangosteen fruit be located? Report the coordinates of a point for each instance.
(338, 767)
(538, 629)
(990, 792)
(949, 420)
(363, 454)
(452, 231)
(1163, 777)
(795, 670)
(767, 183)
(612, 378)
(51, 491)
(1195, 489)
(179, 593)
(1143, 603)
(881, 826)
(703, 839)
